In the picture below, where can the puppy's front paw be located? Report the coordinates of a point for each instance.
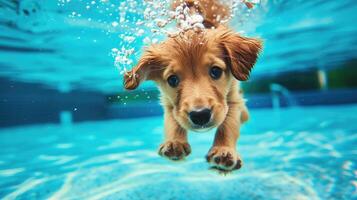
(224, 158)
(174, 150)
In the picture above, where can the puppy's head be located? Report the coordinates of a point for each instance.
(196, 75)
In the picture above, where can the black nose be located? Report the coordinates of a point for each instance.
(200, 117)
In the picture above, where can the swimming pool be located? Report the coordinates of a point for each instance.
(296, 153)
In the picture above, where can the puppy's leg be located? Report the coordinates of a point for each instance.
(175, 146)
(223, 154)
(244, 115)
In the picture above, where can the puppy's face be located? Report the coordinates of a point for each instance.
(196, 89)
(196, 74)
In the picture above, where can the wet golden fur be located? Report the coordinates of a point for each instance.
(190, 58)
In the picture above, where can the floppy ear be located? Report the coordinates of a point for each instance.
(142, 71)
(241, 53)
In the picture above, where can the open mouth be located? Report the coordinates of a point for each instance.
(204, 128)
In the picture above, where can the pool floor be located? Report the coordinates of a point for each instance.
(297, 153)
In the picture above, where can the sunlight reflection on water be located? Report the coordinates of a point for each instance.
(286, 158)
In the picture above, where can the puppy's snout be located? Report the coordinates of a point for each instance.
(200, 117)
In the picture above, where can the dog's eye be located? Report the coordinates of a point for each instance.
(215, 72)
(173, 81)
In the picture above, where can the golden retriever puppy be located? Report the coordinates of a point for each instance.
(198, 75)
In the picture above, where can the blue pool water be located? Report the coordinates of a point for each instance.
(67, 44)
(57, 58)
(298, 153)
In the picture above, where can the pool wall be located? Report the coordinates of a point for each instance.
(29, 103)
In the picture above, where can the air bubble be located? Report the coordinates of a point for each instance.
(114, 24)
(148, 22)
